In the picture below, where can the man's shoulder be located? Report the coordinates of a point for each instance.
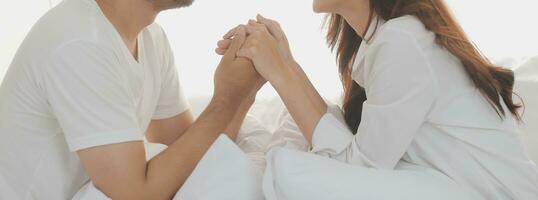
(69, 21)
(156, 35)
(155, 30)
(70, 17)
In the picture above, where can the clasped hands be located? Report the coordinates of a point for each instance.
(252, 55)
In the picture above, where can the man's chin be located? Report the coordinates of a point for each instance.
(185, 3)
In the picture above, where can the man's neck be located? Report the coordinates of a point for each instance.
(129, 17)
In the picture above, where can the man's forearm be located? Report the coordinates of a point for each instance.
(167, 172)
(235, 125)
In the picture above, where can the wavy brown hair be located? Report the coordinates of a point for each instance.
(494, 82)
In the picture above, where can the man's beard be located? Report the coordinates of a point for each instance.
(170, 4)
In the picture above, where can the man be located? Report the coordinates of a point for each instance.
(89, 80)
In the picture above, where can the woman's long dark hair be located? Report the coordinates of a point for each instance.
(491, 80)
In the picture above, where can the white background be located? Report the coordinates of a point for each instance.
(500, 28)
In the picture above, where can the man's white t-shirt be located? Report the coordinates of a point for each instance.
(73, 85)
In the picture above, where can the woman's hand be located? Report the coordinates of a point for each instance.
(262, 48)
(273, 27)
(267, 46)
(274, 30)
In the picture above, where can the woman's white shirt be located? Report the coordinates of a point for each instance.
(423, 109)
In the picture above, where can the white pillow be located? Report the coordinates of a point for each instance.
(224, 173)
(299, 175)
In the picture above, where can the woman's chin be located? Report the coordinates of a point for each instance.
(322, 6)
(318, 9)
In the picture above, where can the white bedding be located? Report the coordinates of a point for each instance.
(226, 172)
(299, 175)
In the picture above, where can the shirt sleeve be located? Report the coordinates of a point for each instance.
(401, 90)
(172, 100)
(90, 97)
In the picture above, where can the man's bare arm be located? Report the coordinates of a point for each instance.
(121, 171)
(167, 131)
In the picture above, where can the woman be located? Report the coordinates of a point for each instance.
(417, 91)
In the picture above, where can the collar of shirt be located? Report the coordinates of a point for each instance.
(376, 23)
(368, 38)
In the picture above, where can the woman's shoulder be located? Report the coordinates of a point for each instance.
(399, 44)
(405, 28)
(404, 23)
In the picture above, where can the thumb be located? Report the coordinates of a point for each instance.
(237, 42)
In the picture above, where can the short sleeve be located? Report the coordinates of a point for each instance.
(172, 100)
(89, 96)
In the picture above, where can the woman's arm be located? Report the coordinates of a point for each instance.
(311, 91)
(285, 52)
(300, 90)
(401, 90)
(301, 99)
(276, 65)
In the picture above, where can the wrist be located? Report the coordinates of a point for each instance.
(292, 63)
(285, 77)
(225, 101)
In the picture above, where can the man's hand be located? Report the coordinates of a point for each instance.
(266, 45)
(275, 30)
(265, 37)
(235, 76)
